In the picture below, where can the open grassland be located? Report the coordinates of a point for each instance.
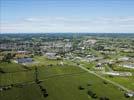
(67, 88)
(28, 92)
(61, 82)
(15, 78)
(48, 72)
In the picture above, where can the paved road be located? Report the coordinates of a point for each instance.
(114, 83)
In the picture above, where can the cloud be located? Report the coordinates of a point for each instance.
(70, 24)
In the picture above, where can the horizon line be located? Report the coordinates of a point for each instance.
(66, 32)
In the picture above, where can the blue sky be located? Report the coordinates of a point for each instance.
(66, 16)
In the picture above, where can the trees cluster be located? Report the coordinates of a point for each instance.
(43, 90)
(7, 57)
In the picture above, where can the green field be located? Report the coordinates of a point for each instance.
(125, 81)
(67, 88)
(61, 82)
(11, 67)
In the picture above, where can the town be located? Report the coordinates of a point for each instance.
(50, 66)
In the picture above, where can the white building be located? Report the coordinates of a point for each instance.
(128, 65)
(51, 55)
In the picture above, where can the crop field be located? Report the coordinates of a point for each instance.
(61, 82)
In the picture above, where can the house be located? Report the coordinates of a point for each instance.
(68, 47)
(68, 56)
(125, 74)
(77, 58)
(51, 55)
(128, 66)
(89, 56)
(124, 59)
(99, 66)
(61, 63)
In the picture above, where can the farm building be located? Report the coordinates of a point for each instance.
(24, 60)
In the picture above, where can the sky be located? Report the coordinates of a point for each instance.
(66, 16)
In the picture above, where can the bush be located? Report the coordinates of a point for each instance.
(91, 94)
(80, 88)
(105, 82)
(88, 84)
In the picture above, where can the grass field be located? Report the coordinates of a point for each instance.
(42, 60)
(18, 77)
(125, 81)
(67, 88)
(61, 82)
(11, 67)
(28, 92)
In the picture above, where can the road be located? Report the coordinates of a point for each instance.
(114, 83)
